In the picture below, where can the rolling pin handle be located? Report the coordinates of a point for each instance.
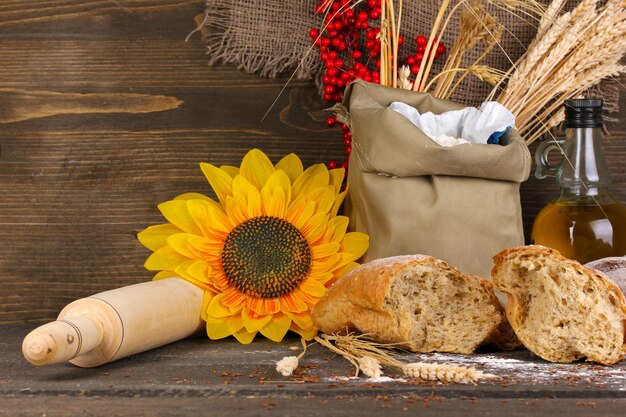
(62, 340)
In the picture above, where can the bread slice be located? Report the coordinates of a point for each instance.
(418, 302)
(560, 310)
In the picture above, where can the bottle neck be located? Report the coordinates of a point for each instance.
(583, 172)
(586, 197)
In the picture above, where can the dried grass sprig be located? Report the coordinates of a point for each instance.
(368, 354)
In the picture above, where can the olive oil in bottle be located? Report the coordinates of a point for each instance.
(584, 222)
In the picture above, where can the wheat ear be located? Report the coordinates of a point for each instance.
(445, 373)
(356, 348)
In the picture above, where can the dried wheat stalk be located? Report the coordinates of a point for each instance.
(572, 52)
(368, 356)
(475, 26)
(445, 373)
(288, 364)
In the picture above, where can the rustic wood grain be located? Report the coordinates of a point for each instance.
(21, 105)
(105, 111)
(224, 378)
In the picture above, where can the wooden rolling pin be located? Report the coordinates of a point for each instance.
(114, 324)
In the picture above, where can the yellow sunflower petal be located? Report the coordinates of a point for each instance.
(262, 306)
(176, 212)
(244, 337)
(305, 297)
(220, 181)
(339, 225)
(291, 303)
(300, 212)
(237, 209)
(313, 177)
(197, 272)
(216, 309)
(230, 170)
(242, 186)
(324, 250)
(274, 204)
(255, 206)
(338, 273)
(306, 334)
(155, 237)
(253, 322)
(336, 178)
(355, 243)
(210, 219)
(164, 274)
(234, 299)
(223, 327)
(192, 196)
(313, 287)
(324, 197)
(322, 277)
(277, 328)
(292, 165)
(207, 296)
(164, 259)
(315, 227)
(337, 204)
(188, 245)
(326, 265)
(279, 181)
(256, 167)
(301, 320)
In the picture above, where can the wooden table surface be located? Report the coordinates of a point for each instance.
(223, 378)
(106, 111)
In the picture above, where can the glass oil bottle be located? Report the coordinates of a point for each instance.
(584, 222)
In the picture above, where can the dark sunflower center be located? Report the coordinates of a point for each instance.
(266, 257)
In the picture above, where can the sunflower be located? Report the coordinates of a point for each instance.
(265, 253)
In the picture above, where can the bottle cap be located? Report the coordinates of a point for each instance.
(583, 113)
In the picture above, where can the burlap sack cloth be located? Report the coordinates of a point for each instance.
(270, 37)
(460, 204)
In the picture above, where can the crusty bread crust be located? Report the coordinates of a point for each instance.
(559, 309)
(381, 298)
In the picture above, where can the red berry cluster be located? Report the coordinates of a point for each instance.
(414, 61)
(350, 49)
(349, 46)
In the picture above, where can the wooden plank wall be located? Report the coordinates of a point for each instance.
(105, 111)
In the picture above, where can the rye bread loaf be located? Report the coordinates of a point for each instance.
(560, 310)
(418, 302)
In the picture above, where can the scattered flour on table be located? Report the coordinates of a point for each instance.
(380, 379)
(536, 371)
(531, 371)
